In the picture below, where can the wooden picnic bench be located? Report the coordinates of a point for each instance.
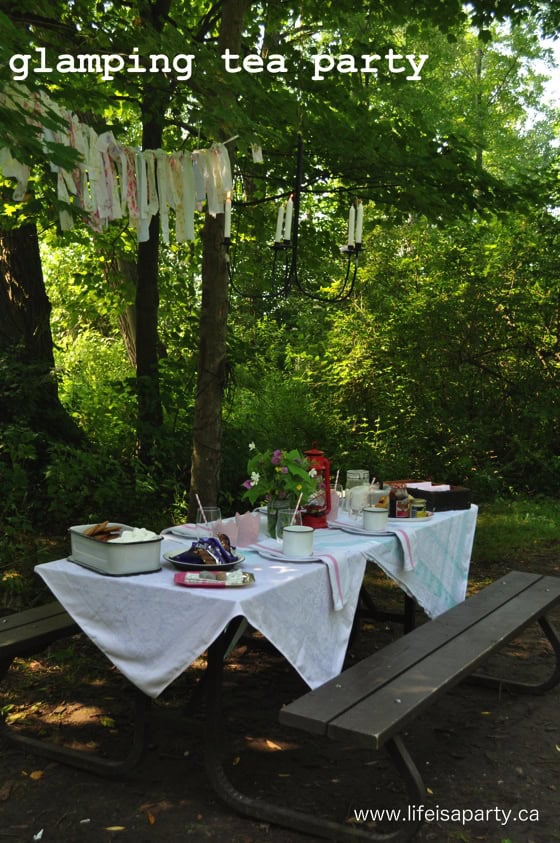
(31, 631)
(371, 703)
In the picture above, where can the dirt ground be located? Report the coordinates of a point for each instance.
(479, 752)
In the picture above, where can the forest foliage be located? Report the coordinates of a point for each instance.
(443, 363)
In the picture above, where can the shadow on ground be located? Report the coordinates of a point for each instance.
(480, 752)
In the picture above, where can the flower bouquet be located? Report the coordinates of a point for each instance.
(278, 478)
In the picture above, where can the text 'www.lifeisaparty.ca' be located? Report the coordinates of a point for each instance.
(462, 816)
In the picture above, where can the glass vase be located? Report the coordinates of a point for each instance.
(275, 506)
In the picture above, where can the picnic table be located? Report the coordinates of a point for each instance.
(152, 629)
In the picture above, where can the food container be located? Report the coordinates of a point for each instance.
(113, 558)
(402, 507)
(379, 497)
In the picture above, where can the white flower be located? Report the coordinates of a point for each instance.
(252, 446)
(255, 477)
(312, 472)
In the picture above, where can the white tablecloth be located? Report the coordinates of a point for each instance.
(429, 558)
(441, 557)
(152, 629)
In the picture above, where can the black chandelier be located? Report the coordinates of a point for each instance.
(284, 276)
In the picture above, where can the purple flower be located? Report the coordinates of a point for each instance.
(284, 469)
(276, 457)
(247, 484)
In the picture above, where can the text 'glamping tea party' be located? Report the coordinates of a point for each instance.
(183, 65)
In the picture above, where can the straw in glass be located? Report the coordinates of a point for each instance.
(296, 510)
(201, 508)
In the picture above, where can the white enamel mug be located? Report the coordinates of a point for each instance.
(297, 541)
(375, 518)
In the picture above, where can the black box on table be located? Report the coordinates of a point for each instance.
(458, 497)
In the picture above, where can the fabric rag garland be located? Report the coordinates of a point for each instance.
(112, 181)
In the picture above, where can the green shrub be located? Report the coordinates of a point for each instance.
(86, 485)
(97, 388)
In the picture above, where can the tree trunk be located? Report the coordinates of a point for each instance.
(123, 271)
(150, 414)
(26, 339)
(212, 364)
(207, 428)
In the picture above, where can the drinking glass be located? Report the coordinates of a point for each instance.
(206, 518)
(355, 477)
(358, 498)
(337, 500)
(284, 519)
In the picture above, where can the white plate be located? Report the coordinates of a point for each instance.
(394, 519)
(279, 557)
(360, 531)
(204, 579)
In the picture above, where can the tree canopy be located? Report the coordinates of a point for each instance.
(430, 114)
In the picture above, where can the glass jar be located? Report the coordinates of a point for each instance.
(417, 508)
(356, 477)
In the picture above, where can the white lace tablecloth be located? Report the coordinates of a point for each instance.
(152, 629)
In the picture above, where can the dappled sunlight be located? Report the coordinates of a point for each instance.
(62, 723)
(262, 744)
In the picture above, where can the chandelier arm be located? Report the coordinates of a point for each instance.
(344, 293)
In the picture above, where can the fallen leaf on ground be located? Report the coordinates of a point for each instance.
(155, 808)
(36, 775)
(6, 790)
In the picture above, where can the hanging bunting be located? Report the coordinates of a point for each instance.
(112, 181)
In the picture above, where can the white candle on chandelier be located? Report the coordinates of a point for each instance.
(359, 222)
(227, 217)
(351, 225)
(279, 224)
(288, 220)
